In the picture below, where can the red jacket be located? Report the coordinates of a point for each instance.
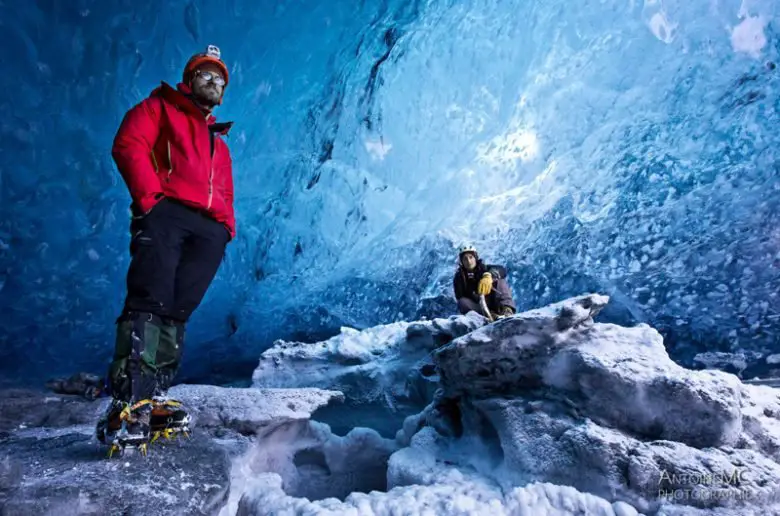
(164, 147)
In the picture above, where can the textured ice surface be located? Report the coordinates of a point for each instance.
(51, 463)
(377, 364)
(547, 396)
(385, 372)
(624, 147)
(458, 498)
(550, 396)
(547, 412)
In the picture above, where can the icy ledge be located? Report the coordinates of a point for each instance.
(50, 461)
(385, 363)
(549, 411)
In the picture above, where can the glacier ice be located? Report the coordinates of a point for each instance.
(550, 398)
(385, 372)
(544, 412)
(366, 365)
(626, 147)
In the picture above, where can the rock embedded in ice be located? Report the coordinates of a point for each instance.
(511, 352)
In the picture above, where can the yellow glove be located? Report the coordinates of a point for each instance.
(485, 284)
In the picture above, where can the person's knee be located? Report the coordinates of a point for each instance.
(466, 305)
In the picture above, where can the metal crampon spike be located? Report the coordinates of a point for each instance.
(114, 448)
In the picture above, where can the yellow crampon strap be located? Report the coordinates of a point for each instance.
(127, 411)
(166, 404)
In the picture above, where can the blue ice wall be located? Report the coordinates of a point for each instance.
(622, 146)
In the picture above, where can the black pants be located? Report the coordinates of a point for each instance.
(176, 252)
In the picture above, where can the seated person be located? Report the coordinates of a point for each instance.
(473, 278)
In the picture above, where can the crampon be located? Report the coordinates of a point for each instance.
(169, 419)
(125, 427)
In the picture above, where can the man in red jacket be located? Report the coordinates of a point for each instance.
(170, 153)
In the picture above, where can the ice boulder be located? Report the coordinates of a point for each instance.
(384, 363)
(621, 377)
(551, 396)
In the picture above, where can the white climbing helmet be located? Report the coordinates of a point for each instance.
(467, 248)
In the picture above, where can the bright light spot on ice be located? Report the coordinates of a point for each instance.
(506, 150)
(748, 37)
(377, 149)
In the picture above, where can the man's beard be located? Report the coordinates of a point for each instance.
(207, 96)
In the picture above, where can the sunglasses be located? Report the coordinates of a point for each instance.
(210, 76)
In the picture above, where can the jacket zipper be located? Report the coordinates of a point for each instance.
(211, 178)
(170, 161)
(211, 170)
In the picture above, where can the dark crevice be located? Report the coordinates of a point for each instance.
(232, 324)
(311, 457)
